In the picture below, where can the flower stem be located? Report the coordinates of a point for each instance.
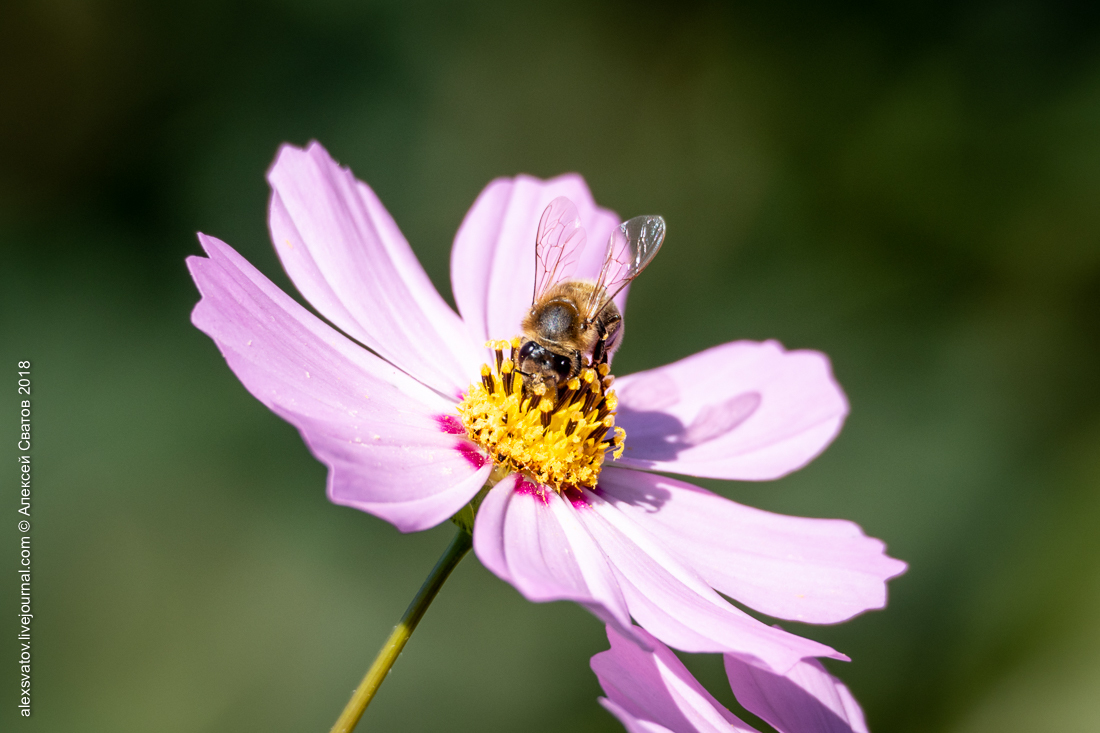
(391, 650)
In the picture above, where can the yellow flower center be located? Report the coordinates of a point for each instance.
(559, 439)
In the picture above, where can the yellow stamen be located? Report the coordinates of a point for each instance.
(487, 377)
(619, 442)
(558, 440)
(507, 376)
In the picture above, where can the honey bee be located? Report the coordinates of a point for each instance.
(575, 323)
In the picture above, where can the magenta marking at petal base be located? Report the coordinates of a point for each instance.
(526, 488)
(577, 498)
(450, 424)
(475, 457)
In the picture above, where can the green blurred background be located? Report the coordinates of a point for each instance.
(912, 189)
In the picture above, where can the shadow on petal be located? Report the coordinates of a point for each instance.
(664, 436)
(645, 496)
(806, 698)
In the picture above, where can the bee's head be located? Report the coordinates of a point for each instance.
(535, 355)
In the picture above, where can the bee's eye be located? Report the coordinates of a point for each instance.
(562, 365)
(527, 349)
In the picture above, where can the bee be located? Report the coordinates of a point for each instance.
(575, 323)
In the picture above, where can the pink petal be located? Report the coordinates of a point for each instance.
(742, 410)
(631, 723)
(348, 258)
(371, 424)
(653, 691)
(805, 700)
(676, 605)
(809, 570)
(530, 537)
(493, 259)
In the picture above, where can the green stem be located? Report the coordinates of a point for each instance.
(391, 650)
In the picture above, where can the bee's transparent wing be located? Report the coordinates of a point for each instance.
(558, 244)
(631, 247)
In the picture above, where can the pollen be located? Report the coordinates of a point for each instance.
(560, 440)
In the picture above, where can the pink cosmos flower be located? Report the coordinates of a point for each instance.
(652, 692)
(387, 420)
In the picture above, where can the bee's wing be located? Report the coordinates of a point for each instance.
(558, 245)
(631, 247)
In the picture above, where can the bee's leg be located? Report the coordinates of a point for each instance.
(605, 353)
(609, 340)
(600, 353)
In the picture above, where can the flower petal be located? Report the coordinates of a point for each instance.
(673, 603)
(371, 424)
(631, 723)
(654, 691)
(529, 536)
(742, 410)
(493, 259)
(810, 570)
(346, 255)
(806, 699)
